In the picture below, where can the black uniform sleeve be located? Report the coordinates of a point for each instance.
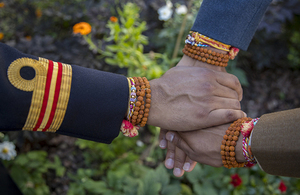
(37, 94)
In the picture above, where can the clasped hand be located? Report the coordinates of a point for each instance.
(192, 102)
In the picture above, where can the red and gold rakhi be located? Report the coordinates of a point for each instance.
(51, 88)
(232, 51)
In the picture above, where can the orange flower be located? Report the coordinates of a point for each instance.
(2, 4)
(1, 35)
(82, 28)
(38, 13)
(113, 19)
(28, 38)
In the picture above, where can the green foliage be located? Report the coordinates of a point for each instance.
(126, 179)
(108, 152)
(166, 37)
(127, 49)
(238, 72)
(28, 171)
(210, 180)
(294, 54)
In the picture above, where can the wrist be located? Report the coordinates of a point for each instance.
(154, 112)
(188, 61)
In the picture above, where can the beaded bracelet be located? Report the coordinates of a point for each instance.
(132, 99)
(206, 55)
(138, 111)
(229, 143)
(148, 102)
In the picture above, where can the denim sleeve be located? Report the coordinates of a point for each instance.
(232, 22)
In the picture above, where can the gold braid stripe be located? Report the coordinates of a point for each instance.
(37, 85)
(63, 100)
(47, 92)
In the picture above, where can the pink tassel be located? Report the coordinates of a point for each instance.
(128, 129)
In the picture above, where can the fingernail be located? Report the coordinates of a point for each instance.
(177, 172)
(163, 143)
(186, 166)
(245, 114)
(170, 136)
(169, 163)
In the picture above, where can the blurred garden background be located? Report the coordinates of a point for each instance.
(142, 38)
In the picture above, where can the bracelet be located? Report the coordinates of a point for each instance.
(206, 55)
(138, 111)
(132, 98)
(148, 102)
(199, 38)
(247, 128)
(192, 41)
(211, 42)
(229, 143)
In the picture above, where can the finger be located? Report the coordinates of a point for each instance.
(224, 91)
(162, 139)
(215, 103)
(169, 162)
(176, 140)
(179, 161)
(222, 116)
(189, 164)
(230, 81)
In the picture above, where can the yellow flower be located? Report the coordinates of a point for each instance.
(82, 28)
(2, 4)
(113, 19)
(1, 35)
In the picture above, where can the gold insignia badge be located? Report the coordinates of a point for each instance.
(51, 88)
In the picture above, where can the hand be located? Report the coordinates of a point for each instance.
(202, 146)
(190, 98)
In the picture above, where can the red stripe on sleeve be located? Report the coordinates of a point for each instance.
(56, 95)
(46, 95)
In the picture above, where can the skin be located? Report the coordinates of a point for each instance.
(181, 158)
(193, 97)
(202, 145)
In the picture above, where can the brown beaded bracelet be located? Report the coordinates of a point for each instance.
(206, 55)
(148, 102)
(141, 94)
(228, 144)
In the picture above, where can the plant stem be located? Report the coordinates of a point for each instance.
(179, 37)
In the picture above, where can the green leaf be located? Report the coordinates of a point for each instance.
(185, 190)
(129, 23)
(208, 188)
(75, 189)
(162, 175)
(95, 186)
(172, 190)
(195, 175)
(149, 184)
(197, 188)
(112, 62)
(241, 75)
